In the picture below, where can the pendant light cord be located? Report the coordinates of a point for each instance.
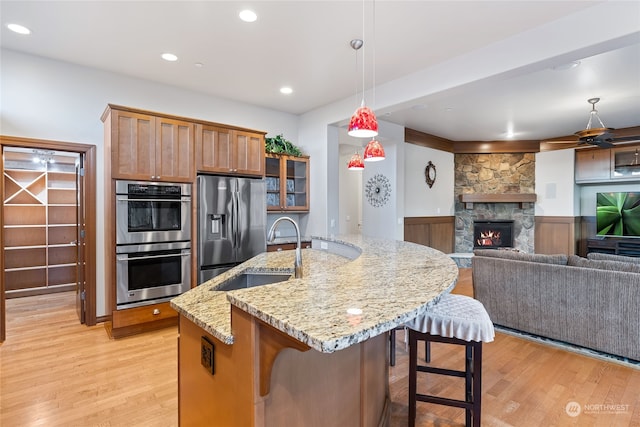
(364, 51)
(373, 37)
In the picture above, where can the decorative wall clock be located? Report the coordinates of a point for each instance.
(430, 174)
(378, 190)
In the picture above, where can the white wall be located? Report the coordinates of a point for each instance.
(46, 99)
(386, 221)
(420, 200)
(350, 190)
(555, 183)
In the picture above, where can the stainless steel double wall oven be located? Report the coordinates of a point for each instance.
(153, 242)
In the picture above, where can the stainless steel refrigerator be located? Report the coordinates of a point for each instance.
(232, 218)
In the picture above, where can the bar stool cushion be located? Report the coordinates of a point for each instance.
(456, 316)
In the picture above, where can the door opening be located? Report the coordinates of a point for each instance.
(48, 227)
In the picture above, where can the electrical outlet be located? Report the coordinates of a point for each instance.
(206, 355)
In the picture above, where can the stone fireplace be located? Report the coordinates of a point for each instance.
(495, 188)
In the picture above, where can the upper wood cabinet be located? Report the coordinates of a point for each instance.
(223, 150)
(592, 165)
(146, 147)
(600, 165)
(287, 180)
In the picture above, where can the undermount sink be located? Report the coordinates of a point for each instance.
(250, 280)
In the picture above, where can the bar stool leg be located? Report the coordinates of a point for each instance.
(413, 362)
(392, 347)
(477, 382)
(468, 382)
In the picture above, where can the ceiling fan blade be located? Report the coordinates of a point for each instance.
(626, 138)
(603, 144)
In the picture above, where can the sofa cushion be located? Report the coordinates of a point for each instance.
(559, 259)
(612, 257)
(628, 267)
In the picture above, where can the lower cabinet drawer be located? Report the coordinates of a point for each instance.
(138, 315)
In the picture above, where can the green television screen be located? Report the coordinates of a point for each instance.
(618, 214)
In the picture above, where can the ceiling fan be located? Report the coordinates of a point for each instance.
(602, 136)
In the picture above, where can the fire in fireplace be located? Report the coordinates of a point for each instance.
(492, 234)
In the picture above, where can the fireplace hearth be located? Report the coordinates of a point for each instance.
(492, 234)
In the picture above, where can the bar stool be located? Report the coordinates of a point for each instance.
(455, 319)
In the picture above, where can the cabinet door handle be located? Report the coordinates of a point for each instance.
(156, 311)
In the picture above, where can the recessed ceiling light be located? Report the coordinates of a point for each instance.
(286, 90)
(248, 15)
(169, 57)
(17, 28)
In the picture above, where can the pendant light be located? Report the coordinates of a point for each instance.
(363, 123)
(373, 152)
(355, 163)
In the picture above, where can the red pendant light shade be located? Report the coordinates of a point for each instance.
(373, 152)
(356, 163)
(363, 123)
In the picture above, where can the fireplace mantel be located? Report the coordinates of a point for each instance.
(522, 198)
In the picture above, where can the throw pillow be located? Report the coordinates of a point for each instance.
(559, 259)
(612, 257)
(627, 267)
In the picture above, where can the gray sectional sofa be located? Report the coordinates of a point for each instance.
(591, 302)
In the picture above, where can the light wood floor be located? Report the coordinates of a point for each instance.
(56, 372)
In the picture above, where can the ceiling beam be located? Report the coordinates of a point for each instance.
(423, 139)
(470, 147)
(427, 140)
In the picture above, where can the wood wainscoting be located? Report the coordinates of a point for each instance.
(437, 232)
(556, 234)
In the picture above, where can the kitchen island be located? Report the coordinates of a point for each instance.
(304, 352)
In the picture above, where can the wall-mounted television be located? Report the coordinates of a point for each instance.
(618, 214)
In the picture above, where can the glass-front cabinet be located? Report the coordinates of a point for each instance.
(625, 163)
(287, 180)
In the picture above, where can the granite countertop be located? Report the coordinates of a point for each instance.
(339, 302)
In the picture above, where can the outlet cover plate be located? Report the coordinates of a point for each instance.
(206, 355)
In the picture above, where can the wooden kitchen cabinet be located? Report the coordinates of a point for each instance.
(147, 147)
(229, 151)
(287, 180)
(135, 320)
(592, 165)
